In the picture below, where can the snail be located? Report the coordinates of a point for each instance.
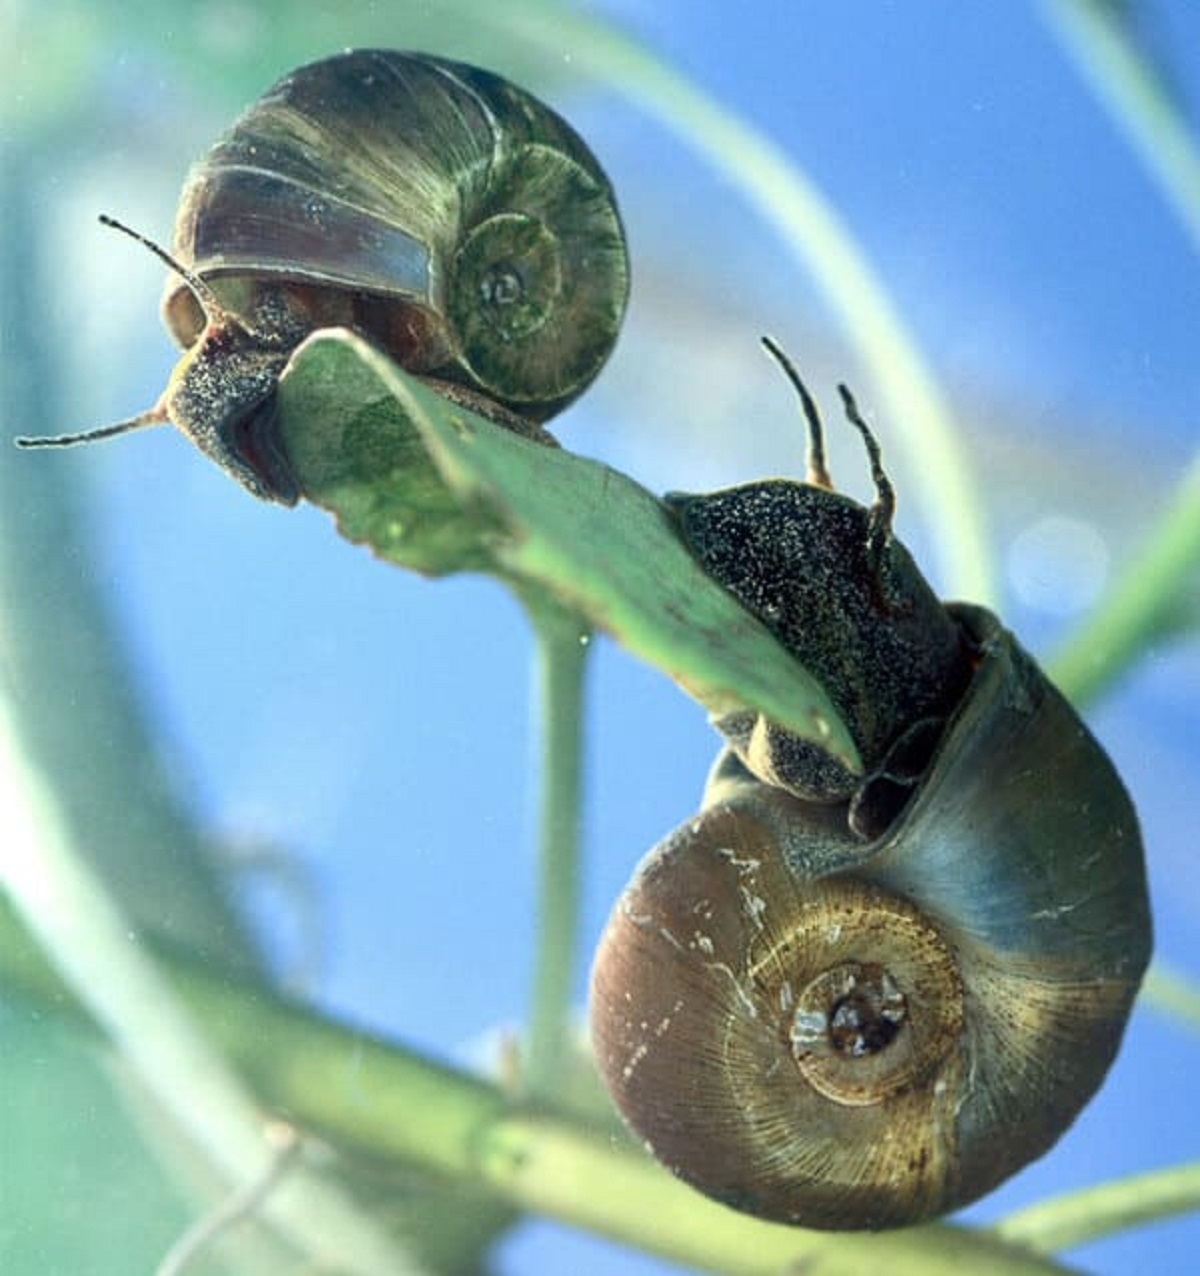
(442, 212)
(863, 1006)
(840, 592)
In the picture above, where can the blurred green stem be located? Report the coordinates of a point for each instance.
(1139, 605)
(1172, 993)
(562, 649)
(362, 1093)
(104, 964)
(72, 691)
(1074, 1219)
(825, 248)
(1095, 34)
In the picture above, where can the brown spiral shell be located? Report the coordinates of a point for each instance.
(842, 1033)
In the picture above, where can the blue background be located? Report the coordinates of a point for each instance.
(377, 726)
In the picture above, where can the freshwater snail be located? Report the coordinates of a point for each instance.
(864, 1023)
(444, 213)
(827, 576)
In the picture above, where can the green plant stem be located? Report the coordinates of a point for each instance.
(73, 695)
(562, 649)
(1140, 603)
(1173, 993)
(236, 1208)
(1137, 608)
(1135, 97)
(362, 1093)
(102, 962)
(825, 248)
(1074, 1219)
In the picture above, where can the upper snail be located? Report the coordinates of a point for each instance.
(442, 212)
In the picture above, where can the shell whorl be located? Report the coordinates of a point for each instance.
(405, 177)
(859, 1035)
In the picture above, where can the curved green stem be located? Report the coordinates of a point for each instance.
(1140, 603)
(75, 696)
(239, 1206)
(1138, 607)
(824, 247)
(1137, 100)
(1079, 1217)
(1172, 993)
(562, 647)
(362, 1093)
(102, 962)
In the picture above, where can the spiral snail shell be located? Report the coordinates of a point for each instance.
(444, 213)
(863, 1024)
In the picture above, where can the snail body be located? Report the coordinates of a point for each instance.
(867, 1008)
(864, 622)
(442, 212)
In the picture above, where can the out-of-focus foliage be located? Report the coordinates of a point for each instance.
(185, 663)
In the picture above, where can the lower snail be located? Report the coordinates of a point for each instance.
(448, 216)
(864, 1005)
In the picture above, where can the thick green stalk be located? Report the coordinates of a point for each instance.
(362, 1093)
(562, 648)
(1074, 1219)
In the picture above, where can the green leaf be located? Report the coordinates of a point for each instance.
(430, 486)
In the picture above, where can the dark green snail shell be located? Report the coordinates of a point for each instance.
(471, 230)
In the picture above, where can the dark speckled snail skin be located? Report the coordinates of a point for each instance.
(439, 210)
(865, 1007)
